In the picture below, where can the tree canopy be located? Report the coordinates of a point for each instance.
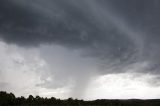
(9, 99)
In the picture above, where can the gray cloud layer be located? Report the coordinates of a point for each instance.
(123, 32)
(115, 36)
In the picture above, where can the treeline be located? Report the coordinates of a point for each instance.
(9, 99)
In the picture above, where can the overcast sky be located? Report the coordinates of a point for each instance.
(86, 49)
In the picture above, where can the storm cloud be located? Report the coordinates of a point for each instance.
(65, 23)
(110, 36)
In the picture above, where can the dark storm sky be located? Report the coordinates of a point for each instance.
(116, 36)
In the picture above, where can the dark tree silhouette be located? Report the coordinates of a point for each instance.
(9, 99)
